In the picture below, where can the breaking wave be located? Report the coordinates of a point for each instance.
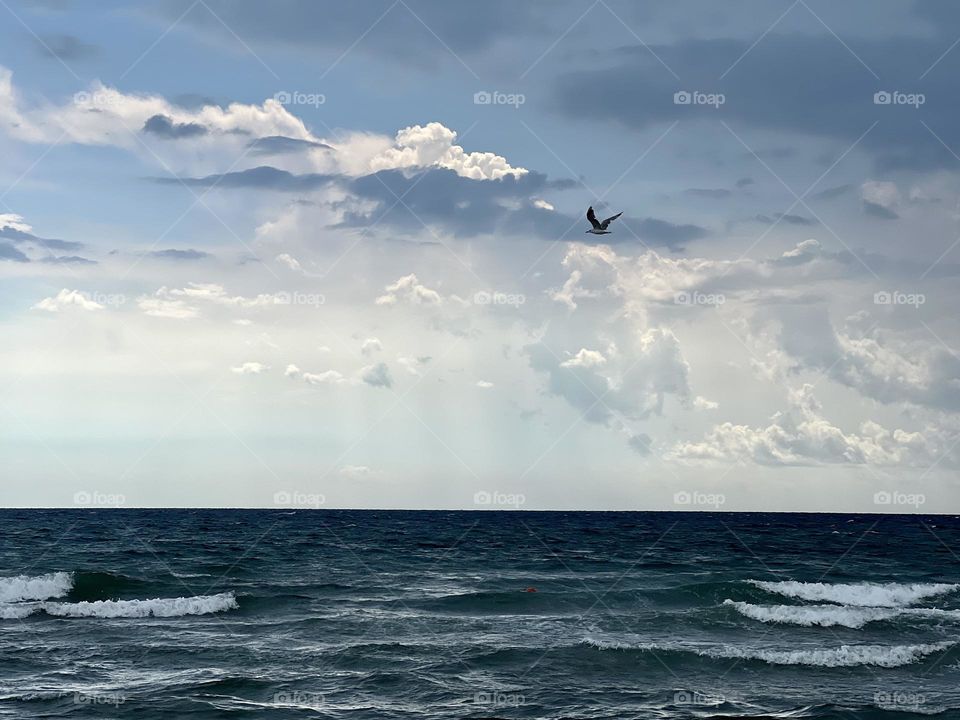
(843, 656)
(888, 595)
(37, 587)
(830, 615)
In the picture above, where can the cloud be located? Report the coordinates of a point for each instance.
(880, 199)
(409, 289)
(712, 193)
(585, 359)
(9, 252)
(701, 403)
(328, 377)
(432, 145)
(797, 84)
(280, 145)
(68, 48)
(370, 346)
(250, 368)
(801, 436)
(355, 472)
(67, 299)
(663, 232)
(484, 384)
(175, 254)
(377, 375)
(163, 127)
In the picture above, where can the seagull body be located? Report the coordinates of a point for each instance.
(599, 228)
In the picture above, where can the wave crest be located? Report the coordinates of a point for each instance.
(37, 587)
(888, 595)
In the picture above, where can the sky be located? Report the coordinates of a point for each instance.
(313, 254)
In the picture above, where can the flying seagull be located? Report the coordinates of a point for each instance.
(600, 228)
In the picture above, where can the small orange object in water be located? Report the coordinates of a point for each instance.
(530, 589)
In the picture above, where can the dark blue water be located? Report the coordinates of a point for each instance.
(352, 614)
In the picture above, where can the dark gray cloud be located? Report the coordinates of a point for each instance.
(263, 177)
(461, 205)
(743, 182)
(787, 218)
(714, 193)
(176, 254)
(9, 252)
(406, 32)
(19, 236)
(164, 127)
(67, 259)
(879, 211)
(280, 145)
(65, 47)
(807, 85)
(832, 192)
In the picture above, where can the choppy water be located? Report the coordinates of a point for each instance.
(350, 614)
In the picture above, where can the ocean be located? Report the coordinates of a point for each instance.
(376, 614)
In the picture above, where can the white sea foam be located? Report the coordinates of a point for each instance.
(35, 587)
(826, 615)
(830, 615)
(888, 656)
(157, 607)
(17, 611)
(889, 595)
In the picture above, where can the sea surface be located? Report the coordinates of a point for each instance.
(369, 614)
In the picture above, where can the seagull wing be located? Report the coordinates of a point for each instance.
(593, 219)
(603, 225)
